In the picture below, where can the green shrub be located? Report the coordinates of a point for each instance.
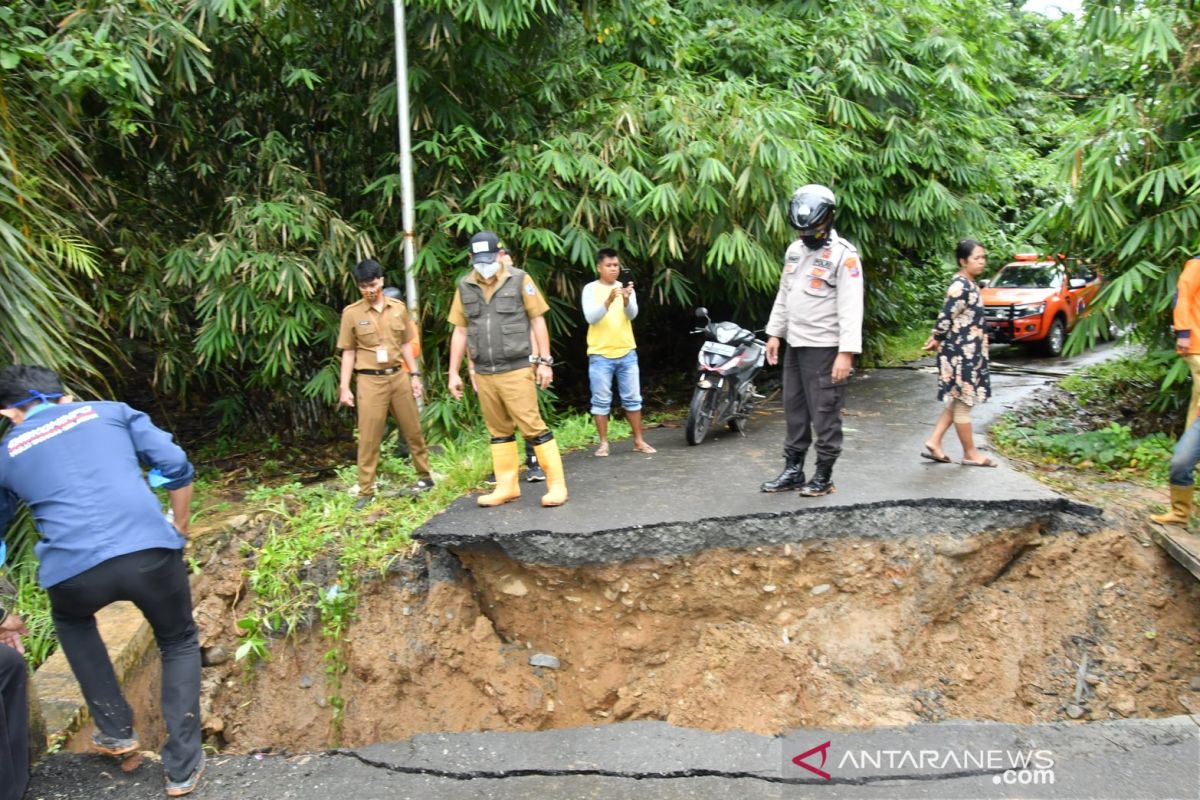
(1112, 448)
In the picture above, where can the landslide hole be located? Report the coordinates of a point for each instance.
(845, 633)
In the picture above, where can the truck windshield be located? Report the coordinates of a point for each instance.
(1027, 277)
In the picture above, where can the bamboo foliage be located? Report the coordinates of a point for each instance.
(239, 156)
(1132, 158)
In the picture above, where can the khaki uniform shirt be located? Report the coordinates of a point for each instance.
(375, 336)
(820, 298)
(535, 304)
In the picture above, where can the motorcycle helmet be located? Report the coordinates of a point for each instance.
(811, 210)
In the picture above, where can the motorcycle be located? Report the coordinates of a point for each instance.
(729, 360)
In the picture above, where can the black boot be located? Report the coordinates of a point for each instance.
(822, 480)
(792, 476)
(533, 471)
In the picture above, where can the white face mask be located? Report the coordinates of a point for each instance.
(486, 271)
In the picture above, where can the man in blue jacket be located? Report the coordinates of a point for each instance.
(103, 538)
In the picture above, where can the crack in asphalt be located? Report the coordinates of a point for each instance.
(470, 775)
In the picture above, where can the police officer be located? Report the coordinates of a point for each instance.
(818, 310)
(375, 341)
(495, 310)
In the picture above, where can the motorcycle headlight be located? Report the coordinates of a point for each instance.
(1029, 309)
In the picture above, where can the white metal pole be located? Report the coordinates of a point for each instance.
(406, 172)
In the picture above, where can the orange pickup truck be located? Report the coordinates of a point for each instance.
(1036, 300)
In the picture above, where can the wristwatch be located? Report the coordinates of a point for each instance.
(546, 360)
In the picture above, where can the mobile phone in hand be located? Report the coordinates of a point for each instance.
(625, 277)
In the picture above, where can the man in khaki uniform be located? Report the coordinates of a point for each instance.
(496, 308)
(375, 342)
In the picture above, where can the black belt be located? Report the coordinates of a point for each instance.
(388, 371)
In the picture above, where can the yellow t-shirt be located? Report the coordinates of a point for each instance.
(612, 336)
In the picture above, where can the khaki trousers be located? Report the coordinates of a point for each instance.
(376, 395)
(509, 402)
(1193, 362)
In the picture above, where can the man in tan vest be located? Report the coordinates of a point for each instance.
(496, 308)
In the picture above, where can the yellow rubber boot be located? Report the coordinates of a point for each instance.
(506, 464)
(556, 481)
(1181, 507)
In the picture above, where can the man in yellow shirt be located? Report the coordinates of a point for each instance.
(610, 306)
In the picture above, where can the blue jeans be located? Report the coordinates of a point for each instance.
(600, 373)
(1187, 453)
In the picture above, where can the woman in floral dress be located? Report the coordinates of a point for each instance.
(960, 338)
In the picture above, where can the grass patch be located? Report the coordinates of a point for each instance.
(1111, 449)
(1107, 418)
(1137, 379)
(898, 349)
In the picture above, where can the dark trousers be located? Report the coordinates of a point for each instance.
(812, 402)
(14, 724)
(156, 582)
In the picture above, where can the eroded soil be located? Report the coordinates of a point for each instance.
(842, 634)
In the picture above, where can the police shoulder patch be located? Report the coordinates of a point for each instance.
(530, 289)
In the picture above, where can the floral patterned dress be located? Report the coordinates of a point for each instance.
(962, 345)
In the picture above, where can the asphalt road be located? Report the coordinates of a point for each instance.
(630, 504)
(1121, 760)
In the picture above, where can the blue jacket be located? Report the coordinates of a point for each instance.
(78, 468)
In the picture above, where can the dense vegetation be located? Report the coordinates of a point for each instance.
(1130, 157)
(184, 183)
(187, 182)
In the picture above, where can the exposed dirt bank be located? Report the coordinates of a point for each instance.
(847, 633)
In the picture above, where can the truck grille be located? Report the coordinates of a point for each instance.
(998, 312)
